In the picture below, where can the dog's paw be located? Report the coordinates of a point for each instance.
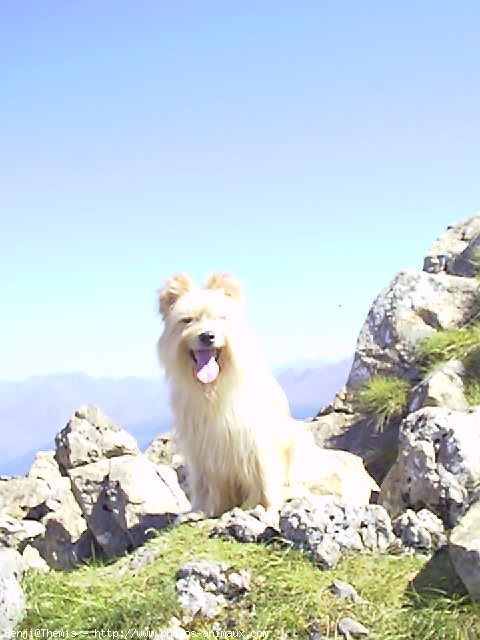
(189, 516)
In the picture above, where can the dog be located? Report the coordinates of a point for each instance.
(232, 419)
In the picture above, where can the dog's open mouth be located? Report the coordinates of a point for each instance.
(206, 364)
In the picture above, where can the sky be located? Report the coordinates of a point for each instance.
(311, 148)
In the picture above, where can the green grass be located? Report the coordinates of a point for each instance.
(458, 344)
(408, 598)
(472, 391)
(382, 398)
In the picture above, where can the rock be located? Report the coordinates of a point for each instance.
(66, 541)
(140, 558)
(443, 387)
(18, 533)
(254, 525)
(125, 498)
(12, 564)
(19, 495)
(33, 560)
(44, 467)
(324, 527)
(12, 606)
(345, 591)
(438, 464)
(357, 434)
(205, 588)
(464, 550)
(162, 451)
(454, 251)
(326, 553)
(412, 307)
(174, 631)
(350, 628)
(335, 473)
(90, 436)
(422, 530)
(12, 600)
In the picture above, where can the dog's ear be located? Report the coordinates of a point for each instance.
(227, 284)
(172, 291)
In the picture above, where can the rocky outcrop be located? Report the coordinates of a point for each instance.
(96, 494)
(324, 527)
(438, 464)
(455, 251)
(90, 436)
(124, 499)
(465, 550)
(412, 307)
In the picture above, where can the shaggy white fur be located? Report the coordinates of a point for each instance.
(232, 420)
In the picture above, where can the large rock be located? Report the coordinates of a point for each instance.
(412, 307)
(125, 498)
(336, 473)
(66, 541)
(454, 251)
(442, 387)
(19, 495)
(355, 433)
(90, 436)
(438, 464)
(465, 550)
(45, 468)
(18, 533)
(12, 600)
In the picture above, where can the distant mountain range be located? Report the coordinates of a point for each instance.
(34, 410)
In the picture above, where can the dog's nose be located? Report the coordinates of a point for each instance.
(207, 338)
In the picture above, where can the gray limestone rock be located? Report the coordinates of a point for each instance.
(464, 547)
(438, 464)
(442, 387)
(454, 251)
(204, 588)
(90, 436)
(422, 530)
(413, 306)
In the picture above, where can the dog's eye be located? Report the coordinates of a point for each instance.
(187, 320)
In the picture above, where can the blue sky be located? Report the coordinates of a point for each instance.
(313, 149)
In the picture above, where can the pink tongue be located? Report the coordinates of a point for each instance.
(206, 367)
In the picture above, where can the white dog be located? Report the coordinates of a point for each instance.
(232, 420)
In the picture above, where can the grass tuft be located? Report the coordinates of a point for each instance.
(382, 398)
(459, 344)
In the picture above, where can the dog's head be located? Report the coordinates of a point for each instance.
(202, 327)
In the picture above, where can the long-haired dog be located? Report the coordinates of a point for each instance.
(232, 420)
